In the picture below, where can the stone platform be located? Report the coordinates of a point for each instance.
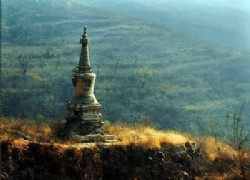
(94, 138)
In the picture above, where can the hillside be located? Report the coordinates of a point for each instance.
(146, 72)
(31, 150)
(223, 23)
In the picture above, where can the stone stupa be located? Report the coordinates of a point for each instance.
(84, 120)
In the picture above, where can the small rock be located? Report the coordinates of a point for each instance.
(150, 158)
(4, 175)
(185, 173)
(23, 135)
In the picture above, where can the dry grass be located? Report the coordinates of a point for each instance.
(139, 135)
(217, 149)
(20, 143)
(42, 133)
(145, 136)
(12, 128)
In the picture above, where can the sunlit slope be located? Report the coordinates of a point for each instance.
(145, 72)
(32, 149)
(24, 131)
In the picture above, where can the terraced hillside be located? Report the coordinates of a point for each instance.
(146, 72)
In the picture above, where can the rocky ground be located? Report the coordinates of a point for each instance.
(33, 160)
(24, 157)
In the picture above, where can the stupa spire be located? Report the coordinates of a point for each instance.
(84, 62)
(84, 119)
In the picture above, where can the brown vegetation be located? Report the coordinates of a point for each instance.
(141, 150)
(146, 136)
(12, 128)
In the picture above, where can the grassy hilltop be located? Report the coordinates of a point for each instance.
(31, 150)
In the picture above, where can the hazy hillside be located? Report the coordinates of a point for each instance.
(225, 23)
(147, 71)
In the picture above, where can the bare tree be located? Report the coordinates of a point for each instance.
(24, 64)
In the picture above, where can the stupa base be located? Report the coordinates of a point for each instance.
(93, 138)
(75, 126)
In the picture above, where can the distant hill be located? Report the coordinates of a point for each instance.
(223, 23)
(147, 71)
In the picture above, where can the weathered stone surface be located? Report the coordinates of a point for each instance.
(84, 119)
(94, 138)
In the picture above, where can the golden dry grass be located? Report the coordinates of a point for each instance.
(20, 143)
(11, 128)
(127, 134)
(145, 136)
(215, 148)
(140, 135)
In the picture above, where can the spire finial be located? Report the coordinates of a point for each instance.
(84, 63)
(84, 39)
(85, 30)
